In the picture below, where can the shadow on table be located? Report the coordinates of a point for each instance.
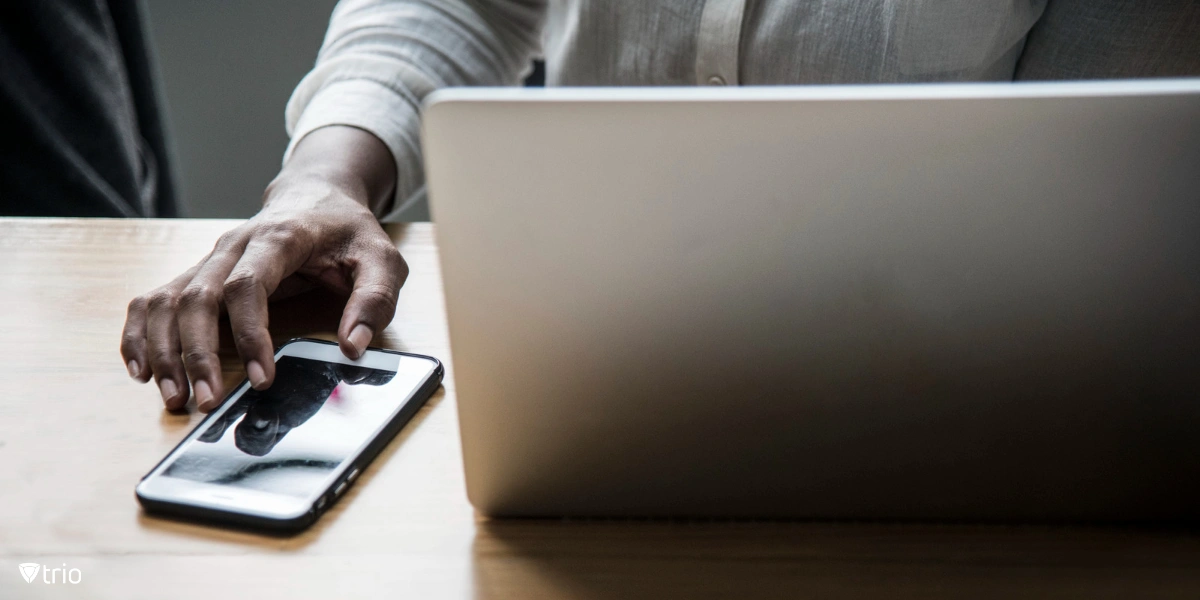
(629, 559)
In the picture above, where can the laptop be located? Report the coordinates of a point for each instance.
(930, 302)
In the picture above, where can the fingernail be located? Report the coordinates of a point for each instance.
(255, 372)
(133, 369)
(204, 396)
(168, 389)
(360, 337)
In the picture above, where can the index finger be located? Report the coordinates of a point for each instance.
(264, 263)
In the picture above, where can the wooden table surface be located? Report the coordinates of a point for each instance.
(76, 434)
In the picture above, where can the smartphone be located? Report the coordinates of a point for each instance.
(276, 459)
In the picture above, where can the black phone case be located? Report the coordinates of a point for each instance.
(327, 497)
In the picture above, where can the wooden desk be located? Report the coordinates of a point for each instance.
(76, 434)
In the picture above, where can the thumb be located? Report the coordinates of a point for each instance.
(378, 277)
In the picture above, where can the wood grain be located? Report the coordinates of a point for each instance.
(76, 434)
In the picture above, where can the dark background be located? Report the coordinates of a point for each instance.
(228, 68)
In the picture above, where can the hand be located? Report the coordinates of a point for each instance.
(315, 227)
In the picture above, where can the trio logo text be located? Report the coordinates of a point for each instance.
(56, 575)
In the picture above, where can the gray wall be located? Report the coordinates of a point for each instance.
(228, 69)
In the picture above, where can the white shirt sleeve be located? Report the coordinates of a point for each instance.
(381, 58)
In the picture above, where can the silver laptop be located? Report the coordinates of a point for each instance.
(975, 302)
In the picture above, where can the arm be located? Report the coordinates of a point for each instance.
(354, 122)
(380, 60)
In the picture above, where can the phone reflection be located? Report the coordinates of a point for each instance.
(287, 438)
(299, 391)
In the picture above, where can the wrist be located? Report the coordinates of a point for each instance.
(343, 160)
(294, 187)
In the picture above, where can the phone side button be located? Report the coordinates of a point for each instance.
(321, 503)
(353, 474)
(340, 488)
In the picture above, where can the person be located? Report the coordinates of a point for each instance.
(84, 134)
(355, 156)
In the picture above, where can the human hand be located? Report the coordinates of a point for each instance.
(315, 227)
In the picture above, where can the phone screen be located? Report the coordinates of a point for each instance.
(289, 438)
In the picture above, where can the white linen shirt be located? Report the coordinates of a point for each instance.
(380, 58)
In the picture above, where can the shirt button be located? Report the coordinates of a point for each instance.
(716, 80)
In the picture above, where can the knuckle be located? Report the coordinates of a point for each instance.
(285, 237)
(163, 361)
(247, 339)
(378, 297)
(198, 295)
(281, 231)
(137, 305)
(130, 342)
(389, 255)
(241, 281)
(228, 239)
(383, 247)
(162, 300)
(399, 266)
(196, 357)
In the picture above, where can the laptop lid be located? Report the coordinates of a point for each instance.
(923, 301)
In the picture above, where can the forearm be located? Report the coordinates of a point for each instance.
(381, 58)
(353, 160)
